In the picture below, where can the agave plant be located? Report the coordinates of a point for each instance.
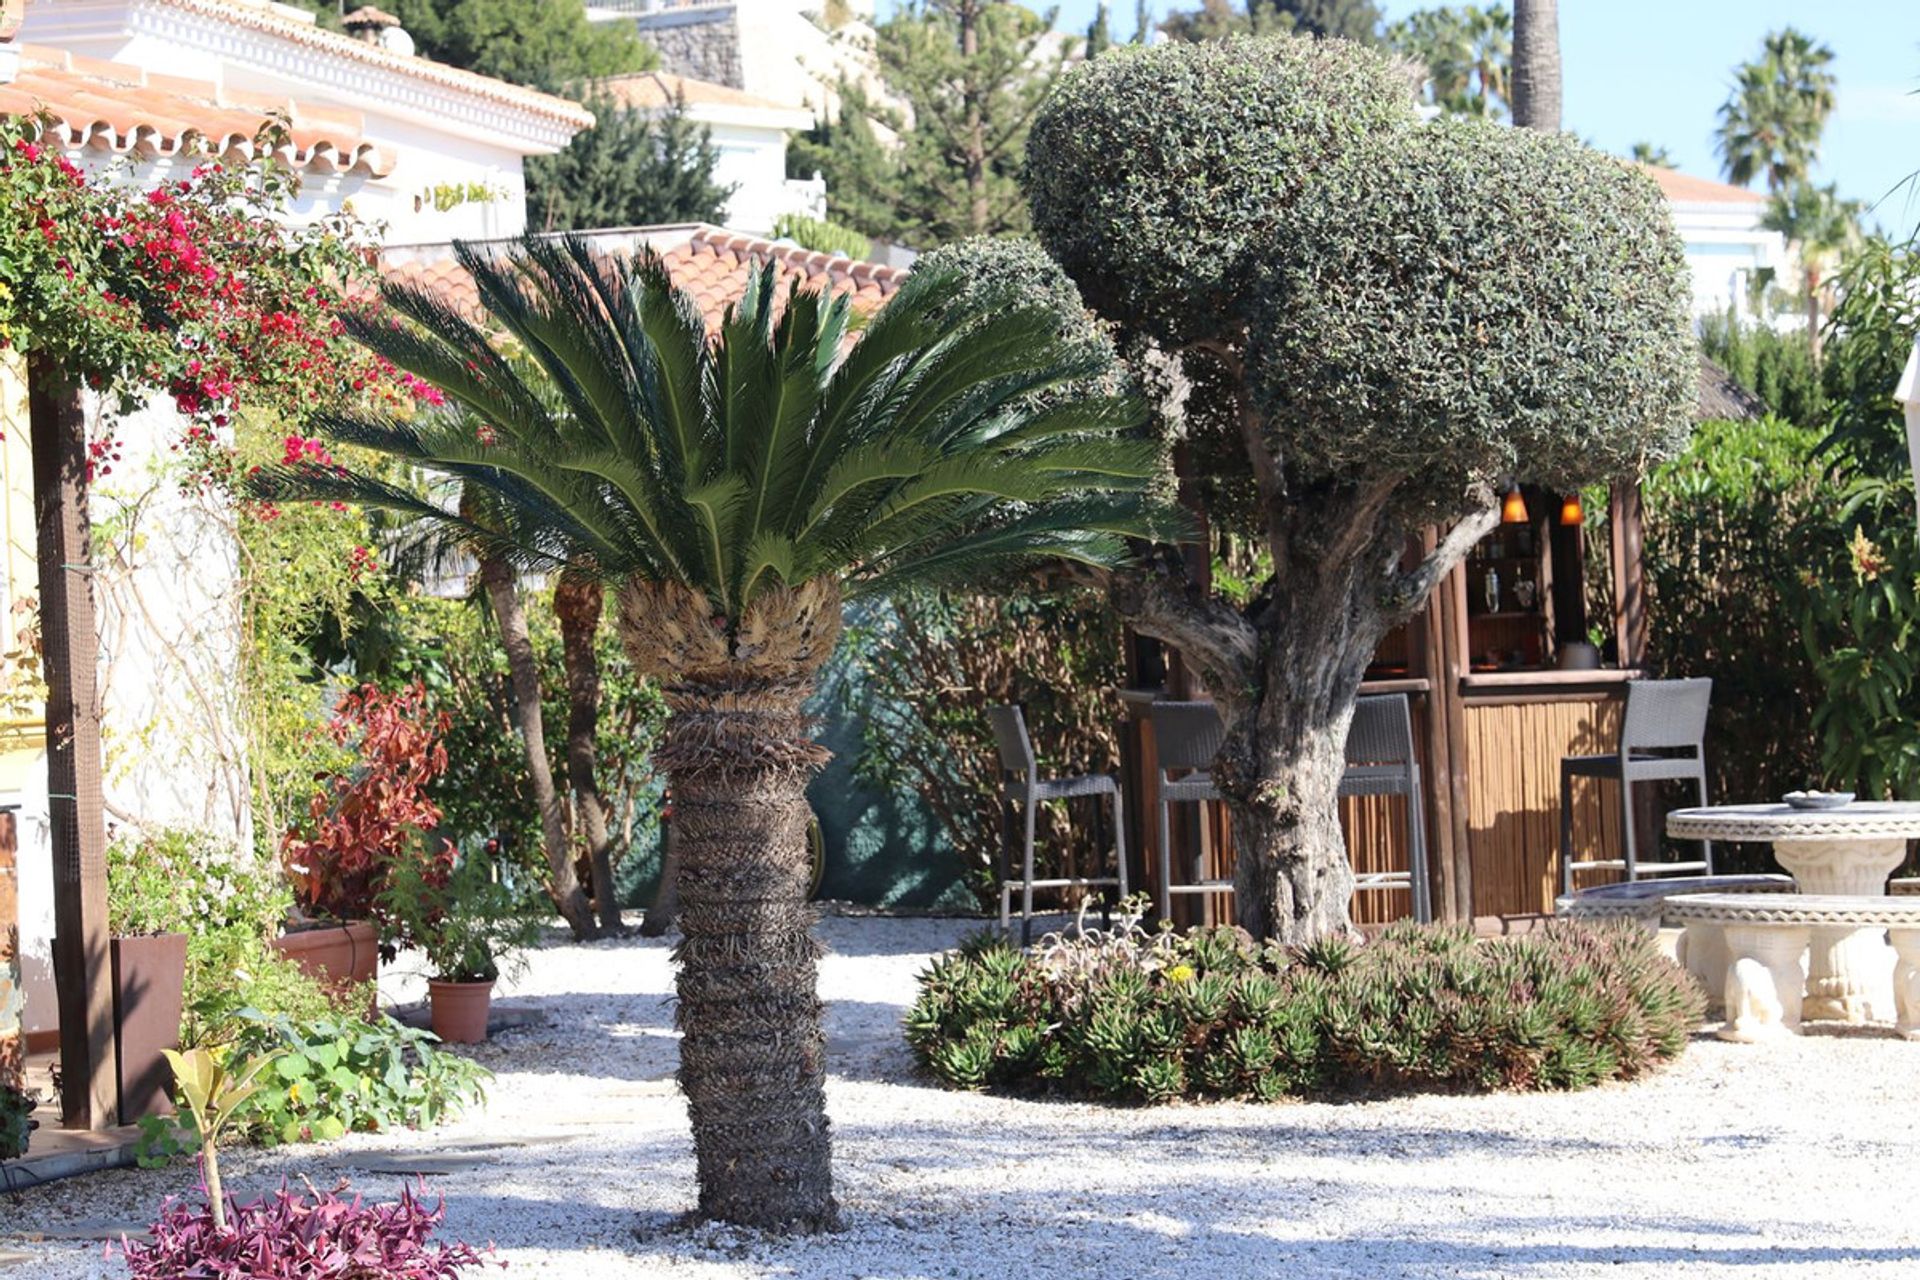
(733, 490)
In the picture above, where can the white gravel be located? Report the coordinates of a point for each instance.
(1797, 1159)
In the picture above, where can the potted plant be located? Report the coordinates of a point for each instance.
(469, 924)
(149, 906)
(361, 823)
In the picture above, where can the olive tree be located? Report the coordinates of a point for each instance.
(1378, 323)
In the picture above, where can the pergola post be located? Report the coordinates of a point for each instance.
(82, 965)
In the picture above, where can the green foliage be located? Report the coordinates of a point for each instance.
(822, 235)
(1874, 326)
(177, 880)
(1727, 527)
(934, 664)
(236, 972)
(467, 922)
(214, 1096)
(1467, 51)
(908, 459)
(632, 168)
(956, 169)
(1129, 1016)
(324, 1077)
(1777, 367)
(1357, 20)
(1653, 154)
(1771, 122)
(1159, 177)
(1446, 361)
(16, 1121)
(545, 43)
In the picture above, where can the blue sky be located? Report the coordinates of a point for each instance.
(1641, 70)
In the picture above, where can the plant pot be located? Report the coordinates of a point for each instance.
(337, 956)
(460, 1010)
(149, 982)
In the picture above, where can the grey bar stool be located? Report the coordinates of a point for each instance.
(1186, 738)
(1381, 762)
(1018, 780)
(1662, 736)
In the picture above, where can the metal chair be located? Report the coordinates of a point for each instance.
(1381, 762)
(1186, 738)
(1662, 736)
(1019, 779)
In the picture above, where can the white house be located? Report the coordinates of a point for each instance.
(749, 132)
(429, 151)
(1727, 249)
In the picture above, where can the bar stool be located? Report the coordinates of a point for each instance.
(1017, 778)
(1186, 738)
(1381, 762)
(1662, 736)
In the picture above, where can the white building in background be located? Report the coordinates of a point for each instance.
(749, 132)
(431, 152)
(1727, 249)
(791, 52)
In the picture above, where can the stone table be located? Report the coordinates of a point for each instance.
(1848, 851)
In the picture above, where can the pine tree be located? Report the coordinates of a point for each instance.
(1100, 32)
(633, 168)
(860, 168)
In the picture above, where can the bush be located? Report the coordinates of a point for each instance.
(328, 1237)
(1128, 1016)
(821, 235)
(332, 1076)
(1777, 367)
(1158, 176)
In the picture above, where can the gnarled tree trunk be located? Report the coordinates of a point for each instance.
(737, 753)
(577, 602)
(563, 886)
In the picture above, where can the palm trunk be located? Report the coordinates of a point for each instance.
(1813, 312)
(737, 753)
(563, 886)
(1536, 64)
(577, 603)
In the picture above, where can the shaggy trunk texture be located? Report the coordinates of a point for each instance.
(563, 886)
(737, 752)
(577, 601)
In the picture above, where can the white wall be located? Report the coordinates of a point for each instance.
(1725, 248)
(753, 160)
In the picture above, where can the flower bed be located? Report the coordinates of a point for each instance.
(1133, 1016)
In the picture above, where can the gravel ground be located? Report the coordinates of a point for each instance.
(1795, 1159)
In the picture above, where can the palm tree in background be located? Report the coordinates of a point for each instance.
(1467, 51)
(1652, 155)
(1770, 124)
(1536, 64)
(732, 493)
(1821, 226)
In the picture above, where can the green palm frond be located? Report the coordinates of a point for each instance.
(596, 420)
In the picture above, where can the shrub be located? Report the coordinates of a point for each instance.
(326, 1237)
(1777, 367)
(361, 821)
(1157, 176)
(822, 235)
(332, 1076)
(1125, 1015)
(16, 1121)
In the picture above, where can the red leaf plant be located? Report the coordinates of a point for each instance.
(362, 821)
(286, 1236)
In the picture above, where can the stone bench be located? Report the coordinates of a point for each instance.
(1646, 900)
(1766, 939)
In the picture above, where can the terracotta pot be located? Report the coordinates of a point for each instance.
(336, 955)
(460, 1010)
(149, 981)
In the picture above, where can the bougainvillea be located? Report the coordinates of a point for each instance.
(199, 288)
(361, 820)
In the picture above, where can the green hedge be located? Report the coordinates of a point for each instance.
(1128, 1016)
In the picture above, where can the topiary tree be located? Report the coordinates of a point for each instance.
(1379, 323)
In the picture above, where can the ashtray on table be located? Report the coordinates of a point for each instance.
(1818, 799)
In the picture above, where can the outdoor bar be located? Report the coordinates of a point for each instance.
(1502, 681)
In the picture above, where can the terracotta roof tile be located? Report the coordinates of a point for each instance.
(712, 265)
(111, 106)
(1684, 188)
(652, 90)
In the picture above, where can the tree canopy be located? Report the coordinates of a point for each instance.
(1217, 19)
(633, 168)
(546, 43)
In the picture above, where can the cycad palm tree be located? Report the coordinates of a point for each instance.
(733, 492)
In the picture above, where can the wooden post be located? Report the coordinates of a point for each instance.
(1451, 764)
(12, 1042)
(82, 967)
(1443, 870)
(1629, 576)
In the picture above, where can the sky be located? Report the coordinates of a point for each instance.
(1658, 70)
